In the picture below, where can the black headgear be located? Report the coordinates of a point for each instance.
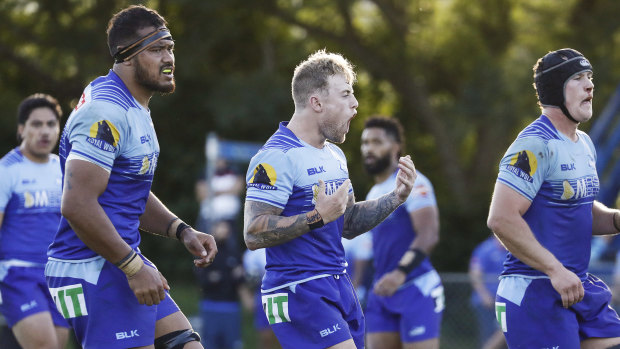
(552, 73)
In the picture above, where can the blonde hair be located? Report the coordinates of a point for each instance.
(311, 75)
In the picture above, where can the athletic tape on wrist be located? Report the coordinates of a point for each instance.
(131, 264)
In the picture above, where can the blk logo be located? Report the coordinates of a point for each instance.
(314, 170)
(567, 167)
(125, 335)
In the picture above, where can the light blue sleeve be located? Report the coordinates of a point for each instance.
(270, 178)
(6, 187)
(96, 133)
(422, 195)
(525, 166)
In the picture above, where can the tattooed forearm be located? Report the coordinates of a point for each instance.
(365, 215)
(264, 227)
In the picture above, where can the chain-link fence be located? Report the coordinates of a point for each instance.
(459, 328)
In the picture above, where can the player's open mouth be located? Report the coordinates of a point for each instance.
(167, 71)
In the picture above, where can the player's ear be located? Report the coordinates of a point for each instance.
(315, 103)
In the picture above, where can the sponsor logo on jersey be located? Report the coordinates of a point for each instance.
(36, 199)
(276, 308)
(330, 188)
(567, 191)
(523, 165)
(103, 135)
(264, 177)
(580, 188)
(69, 300)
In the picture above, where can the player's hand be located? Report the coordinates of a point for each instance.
(200, 245)
(568, 285)
(405, 178)
(330, 207)
(389, 283)
(148, 285)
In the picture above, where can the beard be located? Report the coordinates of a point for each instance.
(333, 133)
(145, 80)
(380, 165)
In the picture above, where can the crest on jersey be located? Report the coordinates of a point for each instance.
(103, 135)
(524, 165)
(264, 177)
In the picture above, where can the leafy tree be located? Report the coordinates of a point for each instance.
(457, 74)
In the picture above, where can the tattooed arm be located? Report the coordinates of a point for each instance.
(264, 227)
(362, 216)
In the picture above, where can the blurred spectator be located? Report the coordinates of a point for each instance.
(254, 264)
(222, 288)
(220, 199)
(485, 266)
(358, 253)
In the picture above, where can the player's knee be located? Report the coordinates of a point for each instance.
(176, 339)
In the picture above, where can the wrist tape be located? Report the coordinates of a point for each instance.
(131, 264)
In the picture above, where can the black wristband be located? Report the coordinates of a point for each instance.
(126, 258)
(417, 259)
(613, 220)
(182, 226)
(314, 221)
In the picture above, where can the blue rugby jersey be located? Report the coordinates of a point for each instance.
(559, 177)
(30, 196)
(393, 237)
(285, 174)
(111, 129)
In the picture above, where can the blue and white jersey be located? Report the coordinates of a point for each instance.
(393, 237)
(285, 174)
(559, 177)
(111, 129)
(30, 196)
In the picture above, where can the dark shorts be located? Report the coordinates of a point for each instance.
(531, 315)
(24, 292)
(414, 311)
(315, 314)
(95, 297)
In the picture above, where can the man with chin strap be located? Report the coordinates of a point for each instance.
(545, 213)
(110, 293)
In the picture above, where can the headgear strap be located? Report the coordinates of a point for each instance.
(129, 51)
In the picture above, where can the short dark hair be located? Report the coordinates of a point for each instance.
(32, 102)
(124, 25)
(392, 127)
